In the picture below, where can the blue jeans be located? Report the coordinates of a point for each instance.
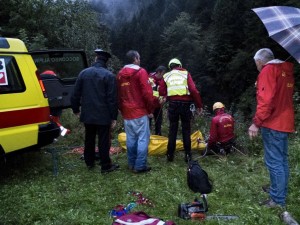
(276, 160)
(137, 141)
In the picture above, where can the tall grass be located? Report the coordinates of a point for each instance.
(30, 193)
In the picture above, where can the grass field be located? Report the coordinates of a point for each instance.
(30, 193)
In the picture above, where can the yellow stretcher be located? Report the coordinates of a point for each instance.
(158, 144)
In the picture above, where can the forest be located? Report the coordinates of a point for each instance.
(214, 39)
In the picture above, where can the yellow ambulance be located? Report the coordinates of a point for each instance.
(24, 98)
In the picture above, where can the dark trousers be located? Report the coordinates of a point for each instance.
(179, 110)
(103, 133)
(158, 118)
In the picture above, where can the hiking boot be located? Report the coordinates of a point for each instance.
(145, 170)
(266, 188)
(110, 169)
(170, 157)
(269, 203)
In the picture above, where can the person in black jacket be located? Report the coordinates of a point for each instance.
(96, 91)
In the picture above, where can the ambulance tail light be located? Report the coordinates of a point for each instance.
(41, 84)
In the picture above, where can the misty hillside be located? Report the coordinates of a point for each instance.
(117, 12)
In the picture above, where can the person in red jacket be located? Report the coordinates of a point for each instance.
(274, 117)
(221, 134)
(181, 93)
(155, 79)
(136, 102)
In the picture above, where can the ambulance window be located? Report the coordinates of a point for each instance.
(11, 80)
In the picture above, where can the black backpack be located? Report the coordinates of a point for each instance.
(197, 178)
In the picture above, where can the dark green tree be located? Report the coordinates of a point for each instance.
(182, 39)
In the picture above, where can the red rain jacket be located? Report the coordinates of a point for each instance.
(221, 128)
(135, 95)
(194, 93)
(274, 95)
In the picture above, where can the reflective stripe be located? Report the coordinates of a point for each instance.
(23, 117)
(177, 87)
(152, 82)
(144, 222)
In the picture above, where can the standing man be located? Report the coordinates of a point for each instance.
(136, 102)
(181, 93)
(221, 134)
(155, 79)
(275, 117)
(96, 92)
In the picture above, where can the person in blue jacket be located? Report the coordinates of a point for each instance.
(95, 101)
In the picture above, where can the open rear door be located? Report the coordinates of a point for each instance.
(66, 64)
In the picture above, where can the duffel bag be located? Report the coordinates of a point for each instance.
(140, 218)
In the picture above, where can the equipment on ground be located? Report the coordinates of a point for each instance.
(195, 210)
(197, 178)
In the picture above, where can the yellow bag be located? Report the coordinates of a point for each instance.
(158, 144)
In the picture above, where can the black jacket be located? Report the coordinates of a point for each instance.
(96, 91)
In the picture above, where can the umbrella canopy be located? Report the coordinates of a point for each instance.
(283, 26)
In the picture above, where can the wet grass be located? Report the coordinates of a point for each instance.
(30, 193)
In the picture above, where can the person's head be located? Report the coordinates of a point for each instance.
(174, 63)
(102, 55)
(263, 56)
(217, 106)
(133, 57)
(160, 71)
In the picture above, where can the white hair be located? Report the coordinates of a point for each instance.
(264, 54)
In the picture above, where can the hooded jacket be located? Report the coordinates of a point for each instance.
(135, 95)
(274, 95)
(221, 128)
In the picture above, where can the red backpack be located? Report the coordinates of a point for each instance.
(140, 218)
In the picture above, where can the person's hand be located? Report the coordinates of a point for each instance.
(150, 115)
(113, 124)
(253, 131)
